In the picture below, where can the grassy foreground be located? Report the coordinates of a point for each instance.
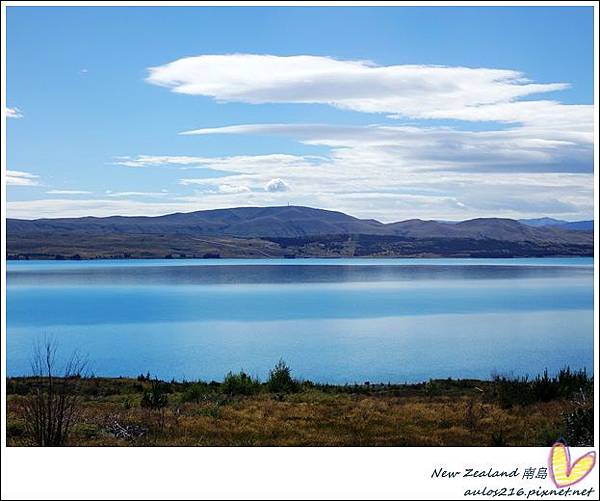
(240, 411)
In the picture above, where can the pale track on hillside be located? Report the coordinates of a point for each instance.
(266, 254)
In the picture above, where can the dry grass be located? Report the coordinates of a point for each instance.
(389, 416)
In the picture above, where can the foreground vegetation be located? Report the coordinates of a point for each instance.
(242, 411)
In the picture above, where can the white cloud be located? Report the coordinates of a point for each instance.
(444, 148)
(19, 178)
(125, 194)
(13, 113)
(158, 161)
(68, 192)
(212, 186)
(243, 162)
(537, 159)
(399, 172)
(232, 189)
(275, 185)
(241, 173)
(384, 194)
(411, 91)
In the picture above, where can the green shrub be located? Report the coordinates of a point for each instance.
(579, 426)
(15, 429)
(212, 410)
(579, 420)
(87, 431)
(156, 398)
(498, 439)
(196, 392)
(432, 388)
(240, 384)
(281, 381)
(543, 388)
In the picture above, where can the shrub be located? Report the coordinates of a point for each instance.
(196, 392)
(433, 388)
(156, 398)
(240, 384)
(281, 381)
(579, 420)
(212, 410)
(579, 426)
(473, 414)
(15, 429)
(543, 388)
(498, 439)
(53, 406)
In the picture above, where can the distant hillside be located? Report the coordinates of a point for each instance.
(290, 231)
(288, 221)
(558, 223)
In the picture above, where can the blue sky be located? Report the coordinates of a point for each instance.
(390, 113)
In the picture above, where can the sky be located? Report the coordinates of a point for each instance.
(389, 113)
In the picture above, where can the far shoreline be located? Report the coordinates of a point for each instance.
(285, 258)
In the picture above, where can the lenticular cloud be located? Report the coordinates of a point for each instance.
(415, 91)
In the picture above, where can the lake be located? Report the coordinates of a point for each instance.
(332, 320)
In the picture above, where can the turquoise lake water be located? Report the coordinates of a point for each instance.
(332, 320)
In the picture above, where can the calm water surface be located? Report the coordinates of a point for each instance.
(332, 320)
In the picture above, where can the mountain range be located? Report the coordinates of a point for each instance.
(290, 231)
(558, 223)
